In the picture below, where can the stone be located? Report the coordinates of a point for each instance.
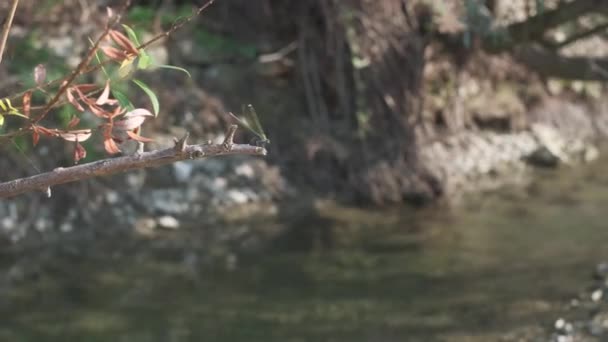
(182, 171)
(542, 157)
(145, 226)
(168, 222)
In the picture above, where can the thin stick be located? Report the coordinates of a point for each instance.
(7, 27)
(177, 26)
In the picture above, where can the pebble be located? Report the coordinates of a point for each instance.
(245, 170)
(601, 271)
(237, 197)
(168, 222)
(597, 295)
(182, 171)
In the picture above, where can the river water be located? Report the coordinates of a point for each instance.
(500, 266)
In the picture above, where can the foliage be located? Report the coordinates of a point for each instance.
(88, 104)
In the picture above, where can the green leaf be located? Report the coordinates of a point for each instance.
(1, 119)
(131, 34)
(144, 60)
(98, 58)
(123, 99)
(151, 95)
(18, 114)
(172, 67)
(126, 68)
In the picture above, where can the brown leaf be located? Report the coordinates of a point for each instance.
(117, 111)
(79, 152)
(124, 42)
(27, 103)
(76, 135)
(98, 111)
(86, 87)
(133, 119)
(105, 95)
(110, 146)
(113, 53)
(74, 122)
(108, 141)
(138, 137)
(35, 136)
(72, 100)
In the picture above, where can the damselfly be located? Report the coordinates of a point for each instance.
(250, 122)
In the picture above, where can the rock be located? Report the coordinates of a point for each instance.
(168, 222)
(237, 197)
(182, 171)
(145, 226)
(601, 271)
(597, 295)
(245, 170)
(112, 197)
(591, 153)
(552, 140)
(542, 157)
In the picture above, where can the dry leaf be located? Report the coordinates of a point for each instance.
(35, 137)
(110, 146)
(79, 152)
(138, 137)
(76, 135)
(133, 119)
(27, 103)
(74, 122)
(124, 42)
(105, 95)
(113, 53)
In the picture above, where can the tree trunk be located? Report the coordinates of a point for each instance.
(361, 65)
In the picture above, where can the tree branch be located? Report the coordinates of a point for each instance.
(581, 35)
(534, 27)
(551, 64)
(181, 151)
(8, 21)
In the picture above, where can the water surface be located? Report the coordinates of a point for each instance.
(501, 266)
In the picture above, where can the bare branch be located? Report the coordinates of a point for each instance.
(535, 27)
(177, 26)
(551, 64)
(581, 35)
(122, 164)
(8, 21)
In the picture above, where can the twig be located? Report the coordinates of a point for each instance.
(228, 141)
(278, 55)
(7, 27)
(177, 26)
(121, 164)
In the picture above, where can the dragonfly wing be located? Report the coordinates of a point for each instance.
(255, 121)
